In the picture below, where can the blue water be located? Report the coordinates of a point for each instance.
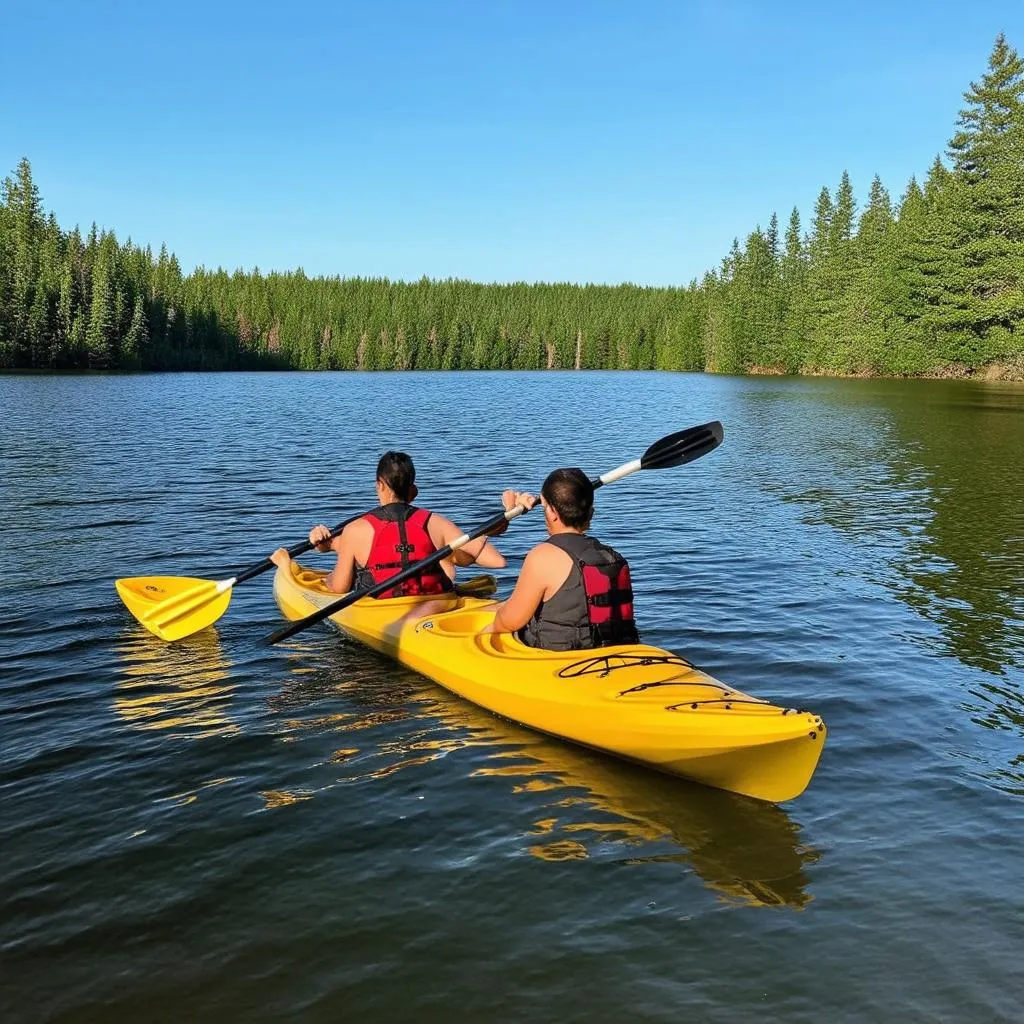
(220, 830)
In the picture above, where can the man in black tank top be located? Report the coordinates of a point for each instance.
(573, 592)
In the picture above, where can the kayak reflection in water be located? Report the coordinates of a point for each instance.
(574, 593)
(393, 536)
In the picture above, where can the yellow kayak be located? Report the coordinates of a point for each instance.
(636, 701)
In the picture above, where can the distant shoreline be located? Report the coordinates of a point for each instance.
(1005, 373)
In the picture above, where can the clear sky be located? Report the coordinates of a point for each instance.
(560, 141)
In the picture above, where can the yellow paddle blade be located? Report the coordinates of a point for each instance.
(173, 607)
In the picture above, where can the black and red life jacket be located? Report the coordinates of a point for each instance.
(400, 538)
(592, 608)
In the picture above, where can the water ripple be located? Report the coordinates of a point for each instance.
(217, 829)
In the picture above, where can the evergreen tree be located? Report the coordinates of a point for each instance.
(867, 316)
(982, 213)
(908, 286)
(100, 334)
(821, 227)
(137, 339)
(25, 224)
(939, 281)
(993, 108)
(772, 237)
(834, 337)
(794, 304)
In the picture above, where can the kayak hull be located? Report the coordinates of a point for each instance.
(638, 702)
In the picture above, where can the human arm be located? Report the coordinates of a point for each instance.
(483, 552)
(281, 559)
(526, 597)
(342, 577)
(319, 537)
(480, 551)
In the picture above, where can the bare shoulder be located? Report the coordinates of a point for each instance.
(355, 532)
(548, 554)
(546, 561)
(536, 557)
(441, 529)
(546, 568)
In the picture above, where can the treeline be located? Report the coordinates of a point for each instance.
(931, 283)
(68, 302)
(934, 282)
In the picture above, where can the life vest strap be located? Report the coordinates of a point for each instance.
(611, 597)
(390, 554)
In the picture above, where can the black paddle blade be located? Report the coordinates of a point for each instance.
(684, 446)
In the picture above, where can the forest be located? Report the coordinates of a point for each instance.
(929, 284)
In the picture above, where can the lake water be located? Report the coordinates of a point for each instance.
(217, 830)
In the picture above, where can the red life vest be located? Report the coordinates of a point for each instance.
(400, 538)
(592, 608)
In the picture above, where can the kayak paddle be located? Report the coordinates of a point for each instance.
(673, 450)
(173, 607)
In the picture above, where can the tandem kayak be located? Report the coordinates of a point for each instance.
(636, 701)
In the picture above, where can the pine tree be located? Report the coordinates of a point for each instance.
(865, 313)
(876, 219)
(983, 212)
(100, 338)
(25, 221)
(7, 352)
(772, 237)
(67, 306)
(821, 233)
(908, 286)
(137, 339)
(756, 306)
(795, 301)
(402, 359)
(993, 109)
(829, 279)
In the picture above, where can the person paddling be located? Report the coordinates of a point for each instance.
(393, 536)
(573, 592)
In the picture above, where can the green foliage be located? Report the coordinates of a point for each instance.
(993, 111)
(938, 280)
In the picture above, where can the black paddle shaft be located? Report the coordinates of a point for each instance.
(298, 549)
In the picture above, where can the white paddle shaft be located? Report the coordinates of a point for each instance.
(510, 514)
(617, 474)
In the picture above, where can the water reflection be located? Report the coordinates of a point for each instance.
(747, 851)
(966, 568)
(181, 688)
(587, 805)
(934, 479)
(929, 482)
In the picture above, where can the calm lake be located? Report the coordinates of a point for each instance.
(217, 830)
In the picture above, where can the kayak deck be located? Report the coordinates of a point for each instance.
(639, 702)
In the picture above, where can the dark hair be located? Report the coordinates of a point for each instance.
(571, 494)
(398, 472)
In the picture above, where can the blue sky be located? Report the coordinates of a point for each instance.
(497, 141)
